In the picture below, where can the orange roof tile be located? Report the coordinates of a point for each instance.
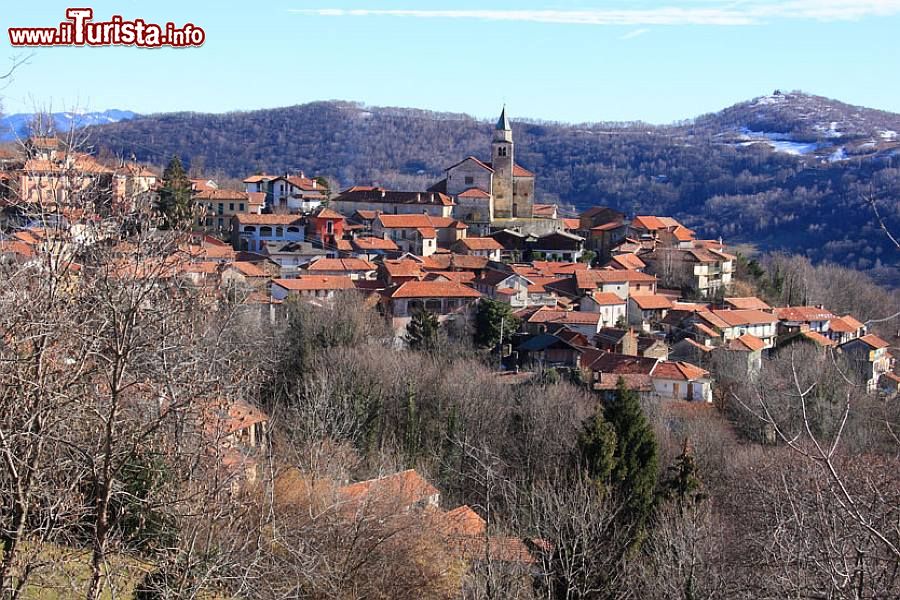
(746, 343)
(606, 298)
(874, 341)
(373, 243)
(341, 264)
(549, 315)
(818, 338)
(249, 269)
(406, 487)
(678, 370)
(480, 243)
(747, 302)
(651, 301)
(315, 282)
(736, 318)
(433, 289)
(803, 314)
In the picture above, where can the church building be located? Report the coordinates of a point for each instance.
(485, 192)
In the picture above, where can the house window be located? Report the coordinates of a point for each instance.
(265, 231)
(470, 180)
(241, 207)
(501, 151)
(329, 227)
(221, 208)
(231, 206)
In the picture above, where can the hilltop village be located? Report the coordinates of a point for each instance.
(604, 298)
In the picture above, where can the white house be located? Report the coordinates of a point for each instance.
(674, 380)
(251, 232)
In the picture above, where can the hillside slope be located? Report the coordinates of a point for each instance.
(785, 171)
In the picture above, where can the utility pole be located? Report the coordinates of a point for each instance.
(500, 349)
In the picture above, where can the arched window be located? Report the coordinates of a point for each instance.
(279, 231)
(265, 231)
(249, 229)
(293, 230)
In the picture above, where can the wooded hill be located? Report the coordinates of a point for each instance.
(785, 171)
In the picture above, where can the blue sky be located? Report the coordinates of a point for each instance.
(564, 60)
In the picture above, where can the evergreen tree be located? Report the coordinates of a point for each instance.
(488, 319)
(423, 331)
(175, 203)
(597, 448)
(682, 484)
(636, 457)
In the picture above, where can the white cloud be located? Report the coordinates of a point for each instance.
(633, 33)
(715, 12)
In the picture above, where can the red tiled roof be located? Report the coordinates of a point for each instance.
(874, 341)
(550, 267)
(433, 289)
(520, 171)
(606, 298)
(474, 192)
(480, 243)
(403, 268)
(651, 301)
(462, 521)
(845, 324)
(736, 318)
(677, 370)
(315, 282)
(481, 164)
(649, 223)
(587, 280)
(373, 243)
(549, 315)
(570, 223)
(746, 343)
(341, 264)
(818, 338)
(406, 487)
(803, 314)
(682, 233)
(249, 269)
(220, 194)
(327, 213)
(628, 261)
(15, 247)
(747, 302)
(260, 177)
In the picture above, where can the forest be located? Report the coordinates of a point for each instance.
(115, 483)
(698, 171)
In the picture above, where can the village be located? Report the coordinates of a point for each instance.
(604, 298)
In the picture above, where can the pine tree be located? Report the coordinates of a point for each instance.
(423, 331)
(490, 318)
(636, 457)
(175, 203)
(682, 484)
(597, 448)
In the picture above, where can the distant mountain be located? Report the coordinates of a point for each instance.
(18, 126)
(780, 172)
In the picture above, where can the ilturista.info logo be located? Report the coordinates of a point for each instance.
(80, 29)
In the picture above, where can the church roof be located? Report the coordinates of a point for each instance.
(503, 122)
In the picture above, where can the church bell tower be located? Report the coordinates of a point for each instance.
(502, 161)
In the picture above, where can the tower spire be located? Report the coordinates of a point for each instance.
(503, 122)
